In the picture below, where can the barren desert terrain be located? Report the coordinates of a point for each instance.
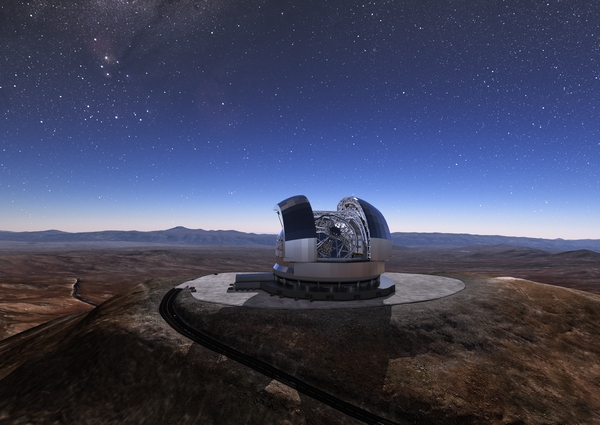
(36, 280)
(36, 284)
(506, 350)
(502, 351)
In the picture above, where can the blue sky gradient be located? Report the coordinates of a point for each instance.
(449, 117)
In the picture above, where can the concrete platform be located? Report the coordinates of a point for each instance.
(410, 288)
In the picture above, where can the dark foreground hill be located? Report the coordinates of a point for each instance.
(502, 351)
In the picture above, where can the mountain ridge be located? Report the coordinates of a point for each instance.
(182, 236)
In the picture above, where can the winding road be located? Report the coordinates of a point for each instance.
(170, 316)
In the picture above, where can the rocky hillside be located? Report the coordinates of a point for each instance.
(503, 351)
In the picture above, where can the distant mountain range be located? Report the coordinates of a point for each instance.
(456, 240)
(182, 236)
(175, 236)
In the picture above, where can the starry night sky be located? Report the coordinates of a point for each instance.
(449, 116)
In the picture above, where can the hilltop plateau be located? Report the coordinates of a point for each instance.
(503, 350)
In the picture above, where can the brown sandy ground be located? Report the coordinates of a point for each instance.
(28, 302)
(502, 351)
(36, 286)
(36, 280)
(573, 269)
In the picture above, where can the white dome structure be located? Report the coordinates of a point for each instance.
(331, 255)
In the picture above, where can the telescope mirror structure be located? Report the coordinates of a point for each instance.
(331, 255)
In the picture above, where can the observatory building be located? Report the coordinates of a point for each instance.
(328, 255)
